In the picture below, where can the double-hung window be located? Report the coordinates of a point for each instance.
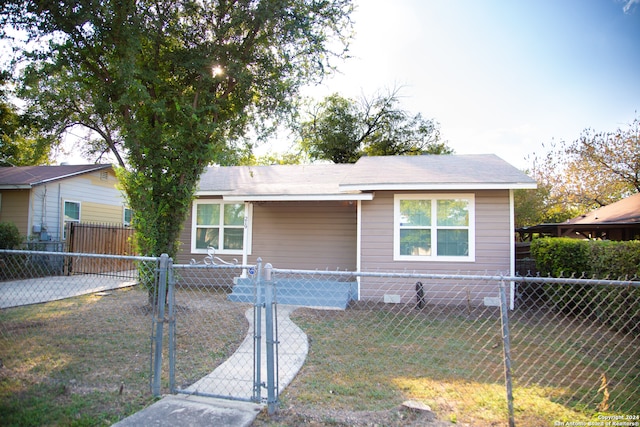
(219, 225)
(438, 227)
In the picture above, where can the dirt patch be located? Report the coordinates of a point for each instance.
(400, 416)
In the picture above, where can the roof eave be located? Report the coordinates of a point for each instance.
(296, 197)
(439, 186)
(15, 187)
(210, 193)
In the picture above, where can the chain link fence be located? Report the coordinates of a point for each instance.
(570, 347)
(67, 336)
(540, 352)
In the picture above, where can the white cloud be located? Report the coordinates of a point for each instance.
(629, 4)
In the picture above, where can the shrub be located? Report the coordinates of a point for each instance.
(618, 306)
(10, 237)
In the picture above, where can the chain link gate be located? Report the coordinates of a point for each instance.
(217, 348)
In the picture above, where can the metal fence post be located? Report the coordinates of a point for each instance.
(172, 327)
(269, 302)
(161, 286)
(506, 346)
(257, 333)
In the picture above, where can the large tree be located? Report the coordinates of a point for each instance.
(342, 130)
(167, 86)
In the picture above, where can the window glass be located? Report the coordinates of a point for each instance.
(206, 237)
(208, 214)
(234, 214)
(453, 243)
(71, 211)
(415, 212)
(453, 212)
(415, 242)
(233, 238)
(128, 214)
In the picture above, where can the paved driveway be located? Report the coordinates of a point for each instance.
(34, 291)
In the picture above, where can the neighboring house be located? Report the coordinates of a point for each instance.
(426, 214)
(617, 221)
(40, 200)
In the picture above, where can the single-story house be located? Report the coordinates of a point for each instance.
(426, 214)
(41, 200)
(617, 221)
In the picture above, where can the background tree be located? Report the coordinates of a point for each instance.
(342, 130)
(604, 166)
(168, 86)
(596, 169)
(20, 143)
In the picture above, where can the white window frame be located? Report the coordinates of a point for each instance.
(64, 220)
(434, 197)
(248, 214)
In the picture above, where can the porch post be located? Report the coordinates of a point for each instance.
(245, 239)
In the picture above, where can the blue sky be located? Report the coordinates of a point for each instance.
(500, 77)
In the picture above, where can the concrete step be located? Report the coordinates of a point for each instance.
(309, 293)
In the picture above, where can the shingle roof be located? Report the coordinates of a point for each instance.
(476, 171)
(623, 211)
(301, 182)
(350, 181)
(30, 176)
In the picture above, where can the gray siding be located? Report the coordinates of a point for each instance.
(298, 235)
(492, 255)
(306, 235)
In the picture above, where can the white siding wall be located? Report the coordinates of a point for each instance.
(104, 202)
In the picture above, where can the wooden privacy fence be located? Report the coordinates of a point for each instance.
(99, 239)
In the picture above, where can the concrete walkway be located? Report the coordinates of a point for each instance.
(233, 378)
(52, 288)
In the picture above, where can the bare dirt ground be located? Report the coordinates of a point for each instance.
(400, 416)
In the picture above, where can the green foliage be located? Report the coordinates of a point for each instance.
(595, 170)
(537, 206)
(10, 237)
(20, 142)
(170, 87)
(562, 257)
(342, 130)
(272, 159)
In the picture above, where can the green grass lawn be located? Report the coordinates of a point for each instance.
(372, 360)
(75, 362)
(85, 361)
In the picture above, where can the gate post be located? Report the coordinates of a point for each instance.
(161, 286)
(271, 341)
(257, 331)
